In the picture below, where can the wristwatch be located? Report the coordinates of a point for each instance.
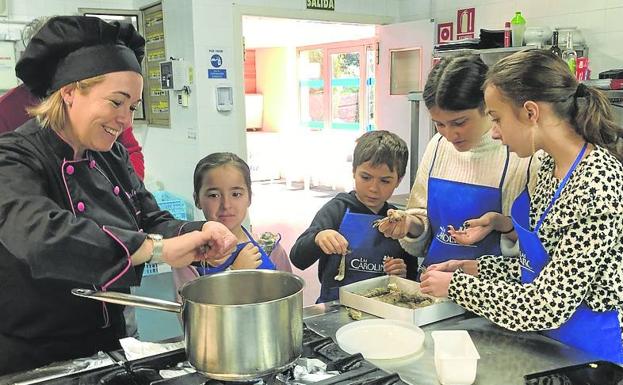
(156, 251)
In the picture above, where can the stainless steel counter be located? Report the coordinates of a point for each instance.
(505, 356)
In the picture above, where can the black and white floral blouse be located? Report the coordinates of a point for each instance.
(583, 235)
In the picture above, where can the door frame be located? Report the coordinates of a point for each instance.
(302, 14)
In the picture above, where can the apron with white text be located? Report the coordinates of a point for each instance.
(596, 332)
(453, 203)
(368, 247)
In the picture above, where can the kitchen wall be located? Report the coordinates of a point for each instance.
(599, 20)
(23, 11)
(200, 129)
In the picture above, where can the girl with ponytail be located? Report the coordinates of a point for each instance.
(568, 279)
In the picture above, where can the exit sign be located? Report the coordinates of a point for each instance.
(327, 5)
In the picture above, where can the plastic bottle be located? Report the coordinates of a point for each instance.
(555, 49)
(518, 27)
(507, 34)
(569, 55)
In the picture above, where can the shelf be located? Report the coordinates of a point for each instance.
(484, 51)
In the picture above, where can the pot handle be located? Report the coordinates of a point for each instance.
(128, 299)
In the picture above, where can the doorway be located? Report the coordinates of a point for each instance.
(307, 99)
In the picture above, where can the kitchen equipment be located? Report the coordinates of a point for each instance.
(352, 296)
(238, 325)
(346, 369)
(518, 28)
(537, 36)
(380, 339)
(590, 373)
(456, 357)
(576, 35)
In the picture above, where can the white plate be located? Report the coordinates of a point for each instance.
(380, 339)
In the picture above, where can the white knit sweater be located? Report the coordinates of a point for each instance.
(482, 165)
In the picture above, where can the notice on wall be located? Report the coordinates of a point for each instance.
(325, 5)
(465, 23)
(444, 32)
(217, 63)
(7, 65)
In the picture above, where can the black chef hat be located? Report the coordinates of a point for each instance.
(71, 48)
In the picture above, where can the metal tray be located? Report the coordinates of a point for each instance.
(352, 296)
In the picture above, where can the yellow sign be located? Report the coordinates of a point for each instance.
(327, 5)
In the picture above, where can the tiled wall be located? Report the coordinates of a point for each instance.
(601, 21)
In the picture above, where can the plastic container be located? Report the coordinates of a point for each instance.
(456, 357)
(171, 203)
(518, 28)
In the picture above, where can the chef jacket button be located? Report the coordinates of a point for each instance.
(92, 164)
(116, 190)
(81, 207)
(70, 170)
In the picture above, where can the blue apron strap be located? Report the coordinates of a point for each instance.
(430, 172)
(561, 186)
(505, 169)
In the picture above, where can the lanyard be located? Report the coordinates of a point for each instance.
(561, 186)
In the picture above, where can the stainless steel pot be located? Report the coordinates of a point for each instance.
(238, 325)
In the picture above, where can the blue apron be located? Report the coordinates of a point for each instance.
(266, 262)
(368, 248)
(452, 203)
(598, 333)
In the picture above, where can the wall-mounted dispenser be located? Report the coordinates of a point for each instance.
(224, 98)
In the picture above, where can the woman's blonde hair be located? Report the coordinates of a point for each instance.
(51, 112)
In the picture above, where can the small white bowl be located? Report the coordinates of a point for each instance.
(456, 357)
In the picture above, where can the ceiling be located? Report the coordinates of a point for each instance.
(265, 32)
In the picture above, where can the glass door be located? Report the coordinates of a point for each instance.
(347, 74)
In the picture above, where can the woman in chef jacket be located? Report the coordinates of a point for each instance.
(568, 280)
(466, 179)
(73, 211)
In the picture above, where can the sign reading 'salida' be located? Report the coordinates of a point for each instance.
(327, 5)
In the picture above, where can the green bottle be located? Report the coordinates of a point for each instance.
(518, 27)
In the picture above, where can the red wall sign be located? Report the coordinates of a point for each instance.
(465, 23)
(444, 32)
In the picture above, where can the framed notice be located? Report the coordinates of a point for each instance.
(465, 23)
(444, 32)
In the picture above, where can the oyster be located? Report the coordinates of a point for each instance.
(393, 295)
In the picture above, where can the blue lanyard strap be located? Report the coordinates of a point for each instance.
(561, 186)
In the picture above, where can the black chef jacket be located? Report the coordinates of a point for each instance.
(67, 223)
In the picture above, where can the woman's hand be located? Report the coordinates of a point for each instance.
(469, 266)
(475, 230)
(435, 283)
(213, 243)
(248, 258)
(395, 266)
(331, 242)
(220, 242)
(400, 226)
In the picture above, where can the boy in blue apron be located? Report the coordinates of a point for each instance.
(567, 281)
(465, 175)
(222, 190)
(343, 228)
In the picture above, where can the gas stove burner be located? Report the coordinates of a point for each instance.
(122, 376)
(322, 363)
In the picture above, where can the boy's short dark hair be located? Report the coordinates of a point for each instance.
(382, 147)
